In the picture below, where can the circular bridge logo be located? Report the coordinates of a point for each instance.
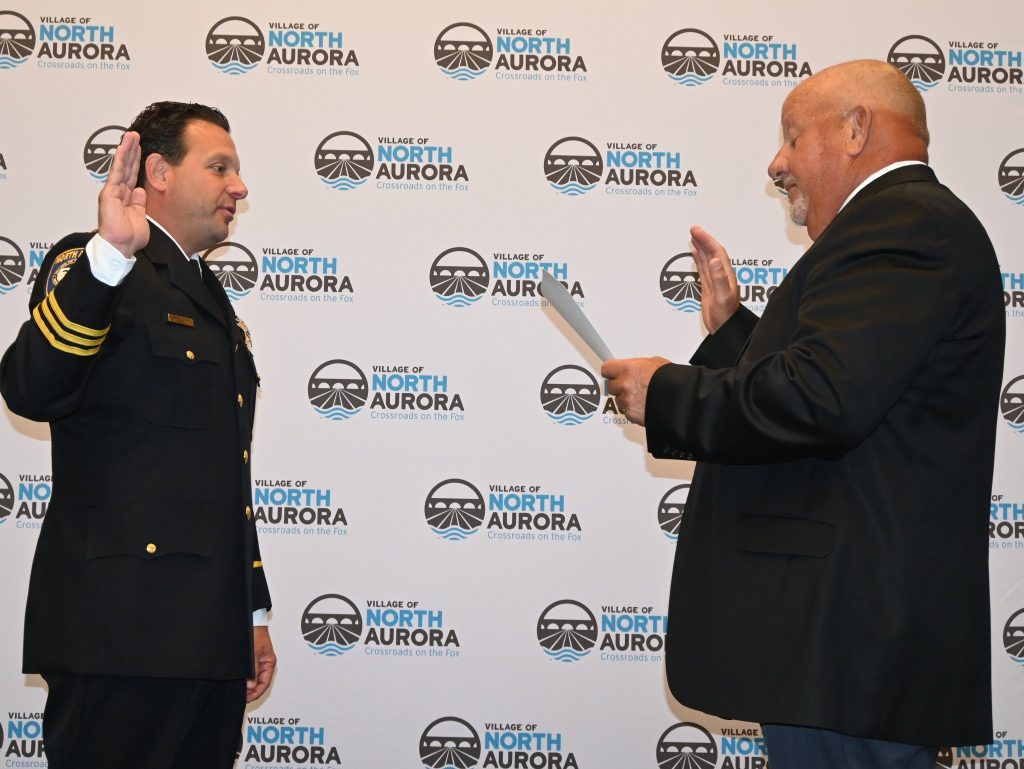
(344, 160)
(920, 59)
(12, 265)
(331, 625)
(338, 390)
(459, 277)
(17, 39)
(573, 166)
(235, 268)
(1011, 405)
(235, 45)
(567, 630)
(680, 283)
(6, 499)
(570, 395)
(99, 151)
(1011, 176)
(671, 509)
(690, 57)
(463, 51)
(449, 742)
(687, 746)
(454, 509)
(1013, 637)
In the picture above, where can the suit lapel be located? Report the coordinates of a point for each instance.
(163, 251)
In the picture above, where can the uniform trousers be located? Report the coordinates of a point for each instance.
(801, 747)
(124, 722)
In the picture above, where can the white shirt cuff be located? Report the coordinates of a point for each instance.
(108, 264)
(260, 618)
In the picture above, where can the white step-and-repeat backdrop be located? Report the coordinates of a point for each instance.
(412, 167)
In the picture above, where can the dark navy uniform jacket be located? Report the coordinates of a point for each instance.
(147, 562)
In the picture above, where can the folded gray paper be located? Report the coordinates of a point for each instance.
(559, 298)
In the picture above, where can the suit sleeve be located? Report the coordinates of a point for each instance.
(723, 348)
(260, 588)
(44, 372)
(873, 307)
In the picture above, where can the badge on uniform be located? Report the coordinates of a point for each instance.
(245, 331)
(60, 267)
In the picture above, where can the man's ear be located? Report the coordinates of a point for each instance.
(857, 129)
(156, 171)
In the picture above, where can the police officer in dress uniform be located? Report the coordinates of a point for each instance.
(147, 600)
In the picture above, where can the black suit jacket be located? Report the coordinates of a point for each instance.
(831, 569)
(147, 562)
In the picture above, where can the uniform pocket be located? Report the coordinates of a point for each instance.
(181, 377)
(148, 530)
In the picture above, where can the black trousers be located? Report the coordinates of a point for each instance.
(122, 722)
(801, 747)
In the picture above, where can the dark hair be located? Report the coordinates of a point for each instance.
(161, 128)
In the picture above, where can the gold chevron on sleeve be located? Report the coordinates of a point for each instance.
(63, 334)
(257, 564)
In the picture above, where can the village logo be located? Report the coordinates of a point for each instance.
(1012, 404)
(98, 154)
(690, 57)
(338, 390)
(459, 277)
(331, 625)
(463, 51)
(567, 630)
(1011, 176)
(343, 160)
(687, 746)
(12, 265)
(570, 395)
(573, 166)
(454, 509)
(6, 499)
(671, 509)
(449, 742)
(235, 268)
(681, 287)
(920, 59)
(17, 39)
(235, 45)
(1013, 637)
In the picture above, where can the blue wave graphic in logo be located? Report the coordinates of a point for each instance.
(6, 62)
(236, 68)
(1019, 428)
(671, 537)
(3, 519)
(234, 295)
(573, 188)
(330, 649)
(570, 418)
(8, 289)
(687, 305)
(343, 183)
(454, 534)
(1018, 660)
(101, 178)
(923, 86)
(337, 413)
(458, 300)
(463, 73)
(690, 79)
(567, 655)
(1018, 199)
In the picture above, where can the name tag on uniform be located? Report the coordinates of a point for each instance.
(180, 320)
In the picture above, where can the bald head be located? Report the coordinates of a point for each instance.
(840, 127)
(872, 84)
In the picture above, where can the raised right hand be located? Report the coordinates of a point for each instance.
(720, 293)
(122, 205)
